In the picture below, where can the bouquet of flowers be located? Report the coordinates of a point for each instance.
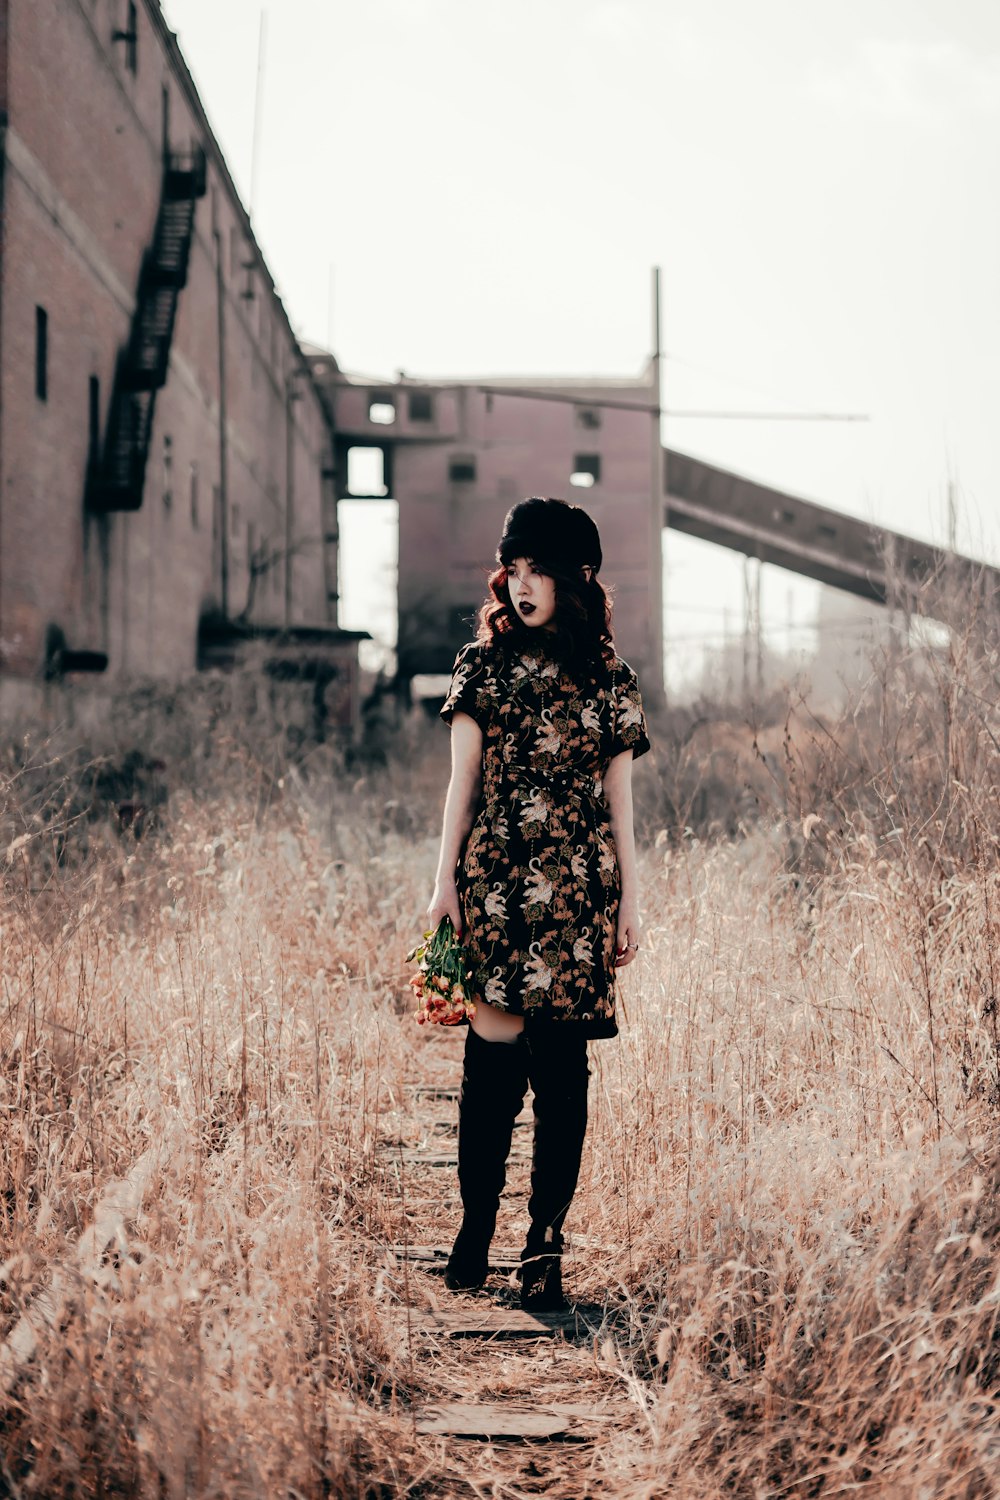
(440, 981)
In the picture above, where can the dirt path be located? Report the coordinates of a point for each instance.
(508, 1404)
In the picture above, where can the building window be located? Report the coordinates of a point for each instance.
(586, 470)
(462, 470)
(421, 407)
(366, 472)
(41, 354)
(168, 471)
(93, 420)
(194, 496)
(130, 36)
(588, 417)
(382, 411)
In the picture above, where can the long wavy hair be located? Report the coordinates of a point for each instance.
(582, 636)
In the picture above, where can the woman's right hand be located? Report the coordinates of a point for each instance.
(444, 903)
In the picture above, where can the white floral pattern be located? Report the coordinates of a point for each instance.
(535, 810)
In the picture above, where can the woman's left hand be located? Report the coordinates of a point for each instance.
(627, 941)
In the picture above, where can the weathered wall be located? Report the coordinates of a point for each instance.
(84, 157)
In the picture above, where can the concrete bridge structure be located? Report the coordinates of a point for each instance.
(455, 454)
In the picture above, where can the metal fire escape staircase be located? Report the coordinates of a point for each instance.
(116, 480)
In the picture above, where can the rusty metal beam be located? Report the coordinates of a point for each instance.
(813, 540)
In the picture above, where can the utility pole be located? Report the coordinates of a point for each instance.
(727, 657)
(658, 461)
(753, 645)
(257, 110)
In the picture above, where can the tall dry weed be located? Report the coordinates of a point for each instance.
(789, 1206)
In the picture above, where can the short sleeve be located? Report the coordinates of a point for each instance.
(628, 721)
(472, 688)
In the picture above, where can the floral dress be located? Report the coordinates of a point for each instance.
(538, 880)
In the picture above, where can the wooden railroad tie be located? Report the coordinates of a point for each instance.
(489, 1321)
(517, 1421)
(435, 1257)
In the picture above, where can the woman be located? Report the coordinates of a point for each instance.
(537, 871)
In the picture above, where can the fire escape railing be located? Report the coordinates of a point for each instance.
(116, 479)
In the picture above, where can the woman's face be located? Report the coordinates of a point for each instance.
(532, 593)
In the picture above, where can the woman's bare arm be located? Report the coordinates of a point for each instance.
(459, 810)
(618, 791)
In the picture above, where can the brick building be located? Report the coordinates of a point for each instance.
(457, 454)
(165, 453)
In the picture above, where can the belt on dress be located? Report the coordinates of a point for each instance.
(570, 784)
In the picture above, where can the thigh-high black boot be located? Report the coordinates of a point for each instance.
(494, 1082)
(558, 1072)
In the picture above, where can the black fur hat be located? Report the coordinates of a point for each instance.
(550, 531)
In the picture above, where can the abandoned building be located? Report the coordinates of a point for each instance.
(456, 454)
(172, 457)
(165, 453)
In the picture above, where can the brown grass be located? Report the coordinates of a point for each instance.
(790, 1201)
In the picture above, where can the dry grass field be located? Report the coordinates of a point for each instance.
(790, 1202)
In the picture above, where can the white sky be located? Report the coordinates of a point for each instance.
(488, 185)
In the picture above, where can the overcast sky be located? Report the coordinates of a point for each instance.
(491, 183)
